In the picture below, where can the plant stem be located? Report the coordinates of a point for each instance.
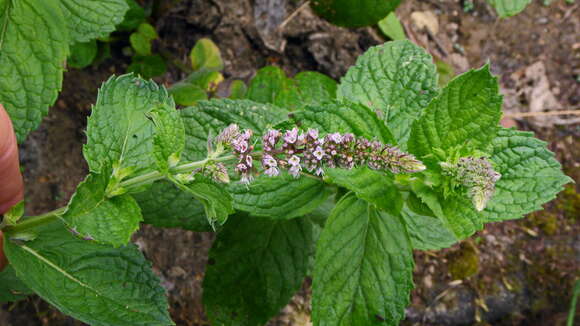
(131, 183)
(32, 222)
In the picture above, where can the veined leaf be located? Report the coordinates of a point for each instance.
(363, 273)
(90, 19)
(426, 232)
(96, 284)
(354, 13)
(375, 187)
(397, 79)
(250, 278)
(164, 205)
(118, 130)
(169, 138)
(343, 117)
(106, 220)
(282, 197)
(467, 112)
(307, 88)
(530, 175)
(267, 85)
(33, 49)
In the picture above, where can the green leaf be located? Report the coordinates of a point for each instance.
(391, 27)
(267, 85)
(215, 198)
(426, 231)
(307, 88)
(187, 94)
(238, 90)
(141, 44)
(97, 284)
(363, 273)
(90, 19)
(11, 287)
(445, 71)
(249, 279)
(33, 49)
(147, 66)
(133, 17)
(530, 175)
(204, 79)
(118, 130)
(164, 205)
(343, 117)
(82, 54)
(206, 55)
(148, 31)
(209, 118)
(106, 220)
(169, 138)
(508, 8)
(282, 197)
(14, 213)
(467, 112)
(375, 187)
(354, 13)
(397, 79)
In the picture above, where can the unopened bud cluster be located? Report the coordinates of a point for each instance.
(477, 175)
(296, 152)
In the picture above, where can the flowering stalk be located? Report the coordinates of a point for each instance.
(296, 151)
(477, 175)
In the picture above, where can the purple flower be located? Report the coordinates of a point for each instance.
(291, 136)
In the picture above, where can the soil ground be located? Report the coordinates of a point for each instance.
(513, 273)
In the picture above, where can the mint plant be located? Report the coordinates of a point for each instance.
(34, 44)
(302, 177)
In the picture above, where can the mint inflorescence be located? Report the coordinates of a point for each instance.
(296, 152)
(477, 175)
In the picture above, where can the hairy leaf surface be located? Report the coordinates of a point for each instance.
(375, 187)
(90, 19)
(97, 284)
(169, 138)
(267, 85)
(530, 175)
(33, 49)
(282, 197)
(164, 205)
(118, 130)
(467, 112)
(306, 88)
(255, 266)
(397, 79)
(107, 220)
(363, 273)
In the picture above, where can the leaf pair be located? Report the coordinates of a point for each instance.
(34, 45)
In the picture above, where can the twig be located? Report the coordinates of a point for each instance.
(292, 15)
(541, 114)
